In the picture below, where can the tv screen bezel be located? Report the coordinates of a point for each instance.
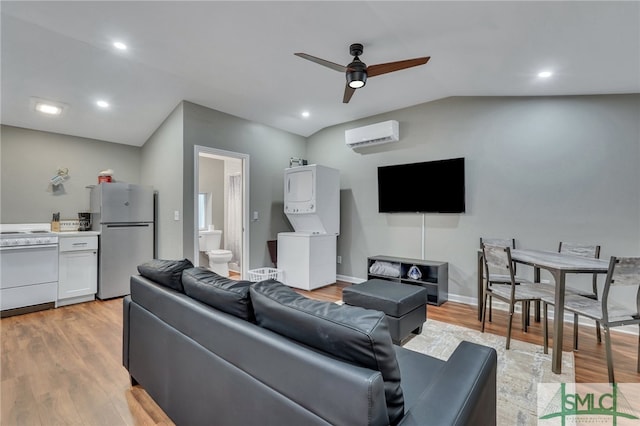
(454, 207)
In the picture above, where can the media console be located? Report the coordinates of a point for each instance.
(434, 276)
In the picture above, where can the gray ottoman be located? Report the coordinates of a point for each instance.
(404, 305)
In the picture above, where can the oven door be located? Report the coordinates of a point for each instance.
(28, 275)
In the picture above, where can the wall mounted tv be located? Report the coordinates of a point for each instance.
(429, 187)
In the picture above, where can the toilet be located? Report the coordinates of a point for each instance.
(209, 243)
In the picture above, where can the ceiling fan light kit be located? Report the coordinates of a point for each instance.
(356, 79)
(357, 71)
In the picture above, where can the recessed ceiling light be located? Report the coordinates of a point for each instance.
(545, 74)
(48, 108)
(103, 104)
(119, 45)
(45, 106)
(305, 114)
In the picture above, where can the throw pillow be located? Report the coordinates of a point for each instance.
(222, 293)
(165, 272)
(353, 334)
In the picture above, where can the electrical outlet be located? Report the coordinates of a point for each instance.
(339, 259)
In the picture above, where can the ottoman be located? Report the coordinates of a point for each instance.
(404, 305)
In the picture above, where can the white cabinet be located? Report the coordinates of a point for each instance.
(78, 269)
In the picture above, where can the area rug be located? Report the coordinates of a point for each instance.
(520, 368)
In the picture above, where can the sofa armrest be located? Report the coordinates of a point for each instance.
(463, 392)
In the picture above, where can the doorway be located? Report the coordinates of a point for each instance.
(221, 202)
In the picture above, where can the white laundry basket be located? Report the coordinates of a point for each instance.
(262, 274)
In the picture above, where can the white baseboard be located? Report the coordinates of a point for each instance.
(348, 279)
(463, 299)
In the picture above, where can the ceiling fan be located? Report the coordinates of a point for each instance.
(357, 71)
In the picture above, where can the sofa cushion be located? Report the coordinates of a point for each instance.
(165, 272)
(357, 335)
(222, 293)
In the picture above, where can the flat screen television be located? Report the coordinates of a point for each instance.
(428, 187)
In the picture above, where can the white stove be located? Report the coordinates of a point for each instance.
(29, 266)
(21, 238)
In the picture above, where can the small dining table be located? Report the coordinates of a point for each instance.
(559, 265)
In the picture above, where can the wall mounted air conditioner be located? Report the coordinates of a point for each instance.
(375, 134)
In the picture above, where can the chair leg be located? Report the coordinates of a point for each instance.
(484, 309)
(525, 308)
(598, 333)
(607, 344)
(490, 309)
(575, 332)
(537, 311)
(511, 309)
(638, 351)
(545, 327)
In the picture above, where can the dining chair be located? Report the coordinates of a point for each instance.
(583, 250)
(593, 252)
(498, 259)
(500, 275)
(623, 271)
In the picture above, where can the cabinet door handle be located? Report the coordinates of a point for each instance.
(78, 244)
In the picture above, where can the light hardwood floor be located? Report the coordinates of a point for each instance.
(63, 366)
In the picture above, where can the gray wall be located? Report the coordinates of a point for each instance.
(269, 150)
(539, 169)
(30, 158)
(161, 168)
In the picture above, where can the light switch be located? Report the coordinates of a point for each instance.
(176, 215)
(255, 215)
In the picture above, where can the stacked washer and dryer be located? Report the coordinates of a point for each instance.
(307, 256)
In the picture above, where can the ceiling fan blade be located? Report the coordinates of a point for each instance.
(378, 69)
(348, 93)
(322, 62)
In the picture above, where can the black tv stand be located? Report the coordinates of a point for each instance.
(435, 275)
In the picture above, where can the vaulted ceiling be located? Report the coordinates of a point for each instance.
(237, 57)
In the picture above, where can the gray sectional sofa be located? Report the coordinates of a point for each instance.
(212, 351)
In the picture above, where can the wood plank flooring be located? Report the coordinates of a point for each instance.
(63, 366)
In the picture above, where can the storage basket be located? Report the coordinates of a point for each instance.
(262, 274)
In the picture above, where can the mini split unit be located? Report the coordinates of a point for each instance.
(374, 134)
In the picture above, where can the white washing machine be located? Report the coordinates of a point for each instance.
(308, 260)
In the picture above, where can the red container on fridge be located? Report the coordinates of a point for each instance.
(105, 176)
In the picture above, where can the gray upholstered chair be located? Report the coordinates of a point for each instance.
(623, 271)
(593, 252)
(497, 259)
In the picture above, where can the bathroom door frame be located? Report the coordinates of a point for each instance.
(244, 159)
